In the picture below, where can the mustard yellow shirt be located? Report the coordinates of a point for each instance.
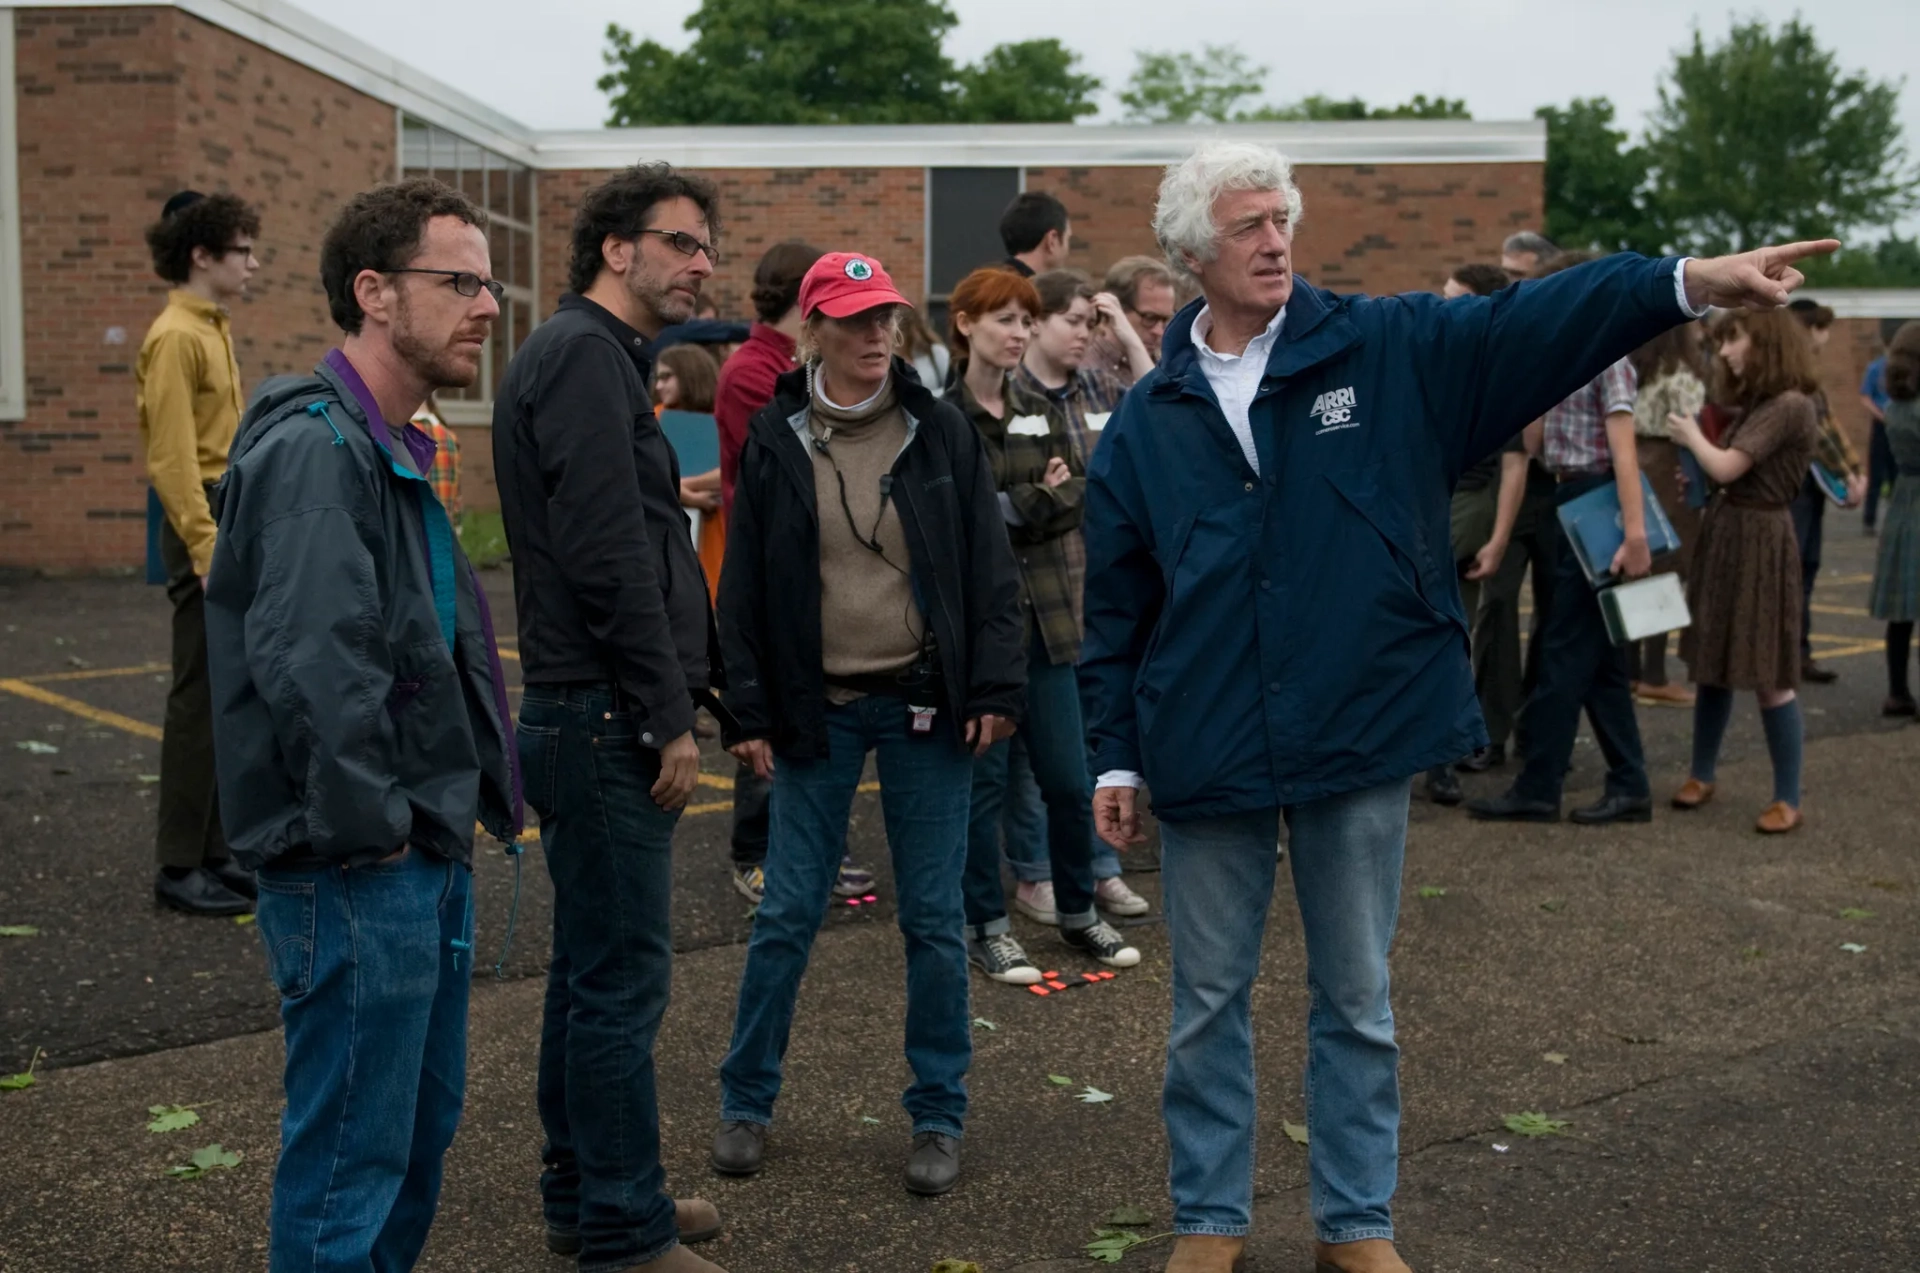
(190, 404)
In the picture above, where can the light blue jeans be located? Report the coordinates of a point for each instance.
(1218, 874)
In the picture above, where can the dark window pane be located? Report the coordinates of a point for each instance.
(966, 205)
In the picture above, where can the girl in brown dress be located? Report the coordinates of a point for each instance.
(1744, 585)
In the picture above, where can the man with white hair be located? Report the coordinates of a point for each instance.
(1273, 630)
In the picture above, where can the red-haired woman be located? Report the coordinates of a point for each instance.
(1042, 477)
(1744, 585)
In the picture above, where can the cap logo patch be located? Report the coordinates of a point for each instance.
(858, 270)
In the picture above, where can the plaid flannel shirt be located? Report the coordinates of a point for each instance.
(445, 477)
(1043, 522)
(1576, 442)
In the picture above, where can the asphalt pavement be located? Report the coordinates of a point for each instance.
(1737, 1082)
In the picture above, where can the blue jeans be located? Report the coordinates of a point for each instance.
(924, 782)
(1580, 666)
(609, 851)
(1023, 821)
(1218, 876)
(1057, 748)
(373, 968)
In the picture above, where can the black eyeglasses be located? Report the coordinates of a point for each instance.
(686, 245)
(466, 282)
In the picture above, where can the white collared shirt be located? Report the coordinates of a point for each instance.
(1235, 378)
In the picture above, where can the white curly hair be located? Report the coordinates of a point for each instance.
(1183, 217)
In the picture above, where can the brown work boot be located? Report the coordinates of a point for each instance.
(679, 1260)
(1778, 819)
(696, 1219)
(1370, 1255)
(1692, 794)
(1206, 1253)
(1664, 695)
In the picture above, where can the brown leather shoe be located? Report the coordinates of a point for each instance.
(1370, 1255)
(1692, 794)
(679, 1260)
(1778, 819)
(1664, 695)
(696, 1219)
(1206, 1253)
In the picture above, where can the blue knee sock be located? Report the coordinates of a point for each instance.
(1712, 709)
(1784, 735)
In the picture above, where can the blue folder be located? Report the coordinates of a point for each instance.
(695, 438)
(1592, 524)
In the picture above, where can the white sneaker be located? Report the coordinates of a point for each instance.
(1114, 897)
(1035, 901)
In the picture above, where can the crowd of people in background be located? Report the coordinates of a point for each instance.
(1031, 566)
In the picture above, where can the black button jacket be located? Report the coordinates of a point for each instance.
(962, 567)
(605, 576)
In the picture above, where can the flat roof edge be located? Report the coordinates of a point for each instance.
(1867, 302)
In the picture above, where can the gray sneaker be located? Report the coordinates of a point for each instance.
(933, 1164)
(738, 1148)
(1103, 943)
(1002, 958)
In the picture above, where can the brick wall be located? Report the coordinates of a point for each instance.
(119, 108)
(877, 210)
(1855, 343)
(1375, 229)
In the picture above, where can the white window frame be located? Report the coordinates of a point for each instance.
(13, 345)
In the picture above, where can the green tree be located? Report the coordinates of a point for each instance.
(1177, 88)
(1319, 106)
(1892, 262)
(1034, 81)
(1763, 137)
(1596, 181)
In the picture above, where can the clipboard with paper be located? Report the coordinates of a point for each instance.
(1641, 607)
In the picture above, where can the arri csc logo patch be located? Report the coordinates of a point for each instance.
(1334, 410)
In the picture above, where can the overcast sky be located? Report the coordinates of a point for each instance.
(538, 62)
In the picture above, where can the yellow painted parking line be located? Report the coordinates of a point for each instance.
(84, 711)
(716, 780)
(1848, 651)
(1856, 611)
(506, 653)
(97, 673)
(1844, 579)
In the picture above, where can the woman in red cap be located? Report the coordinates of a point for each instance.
(869, 602)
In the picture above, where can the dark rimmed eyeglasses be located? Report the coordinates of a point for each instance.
(465, 282)
(686, 245)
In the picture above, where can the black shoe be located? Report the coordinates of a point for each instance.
(563, 1241)
(1103, 943)
(1814, 674)
(1443, 787)
(933, 1164)
(1511, 808)
(235, 877)
(1615, 809)
(199, 892)
(1490, 757)
(738, 1148)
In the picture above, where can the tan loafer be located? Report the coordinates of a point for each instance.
(696, 1219)
(1778, 819)
(1692, 794)
(1370, 1255)
(1206, 1253)
(1664, 695)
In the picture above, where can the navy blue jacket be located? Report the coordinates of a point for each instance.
(1260, 640)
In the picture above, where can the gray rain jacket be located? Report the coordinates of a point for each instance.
(355, 709)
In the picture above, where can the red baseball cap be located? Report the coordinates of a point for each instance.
(842, 284)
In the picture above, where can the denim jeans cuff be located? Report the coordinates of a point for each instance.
(1107, 870)
(1382, 1233)
(1211, 1230)
(992, 928)
(632, 1261)
(742, 1116)
(1035, 873)
(944, 1126)
(1074, 923)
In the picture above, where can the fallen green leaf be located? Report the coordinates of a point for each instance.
(1109, 1245)
(955, 1266)
(1554, 1058)
(867, 1118)
(147, 779)
(18, 930)
(1094, 1096)
(243, 920)
(1853, 948)
(171, 1118)
(1059, 1080)
(34, 747)
(1553, 904)
(23, 1080)
(1130, 1215)
(1854, 912)
(212, 1157)
(1428, 890)
(985, 1024)
(1753, 952)
(1535, 1125)
(1296, 1132)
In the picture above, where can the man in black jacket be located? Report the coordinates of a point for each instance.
(615, 652)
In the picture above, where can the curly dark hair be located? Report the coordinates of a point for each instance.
(381, 229)
(212, 222)
(623, 205)
(1480, 278)
(776, 280)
